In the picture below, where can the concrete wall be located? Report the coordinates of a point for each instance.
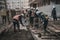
(48, 9)
(13, 4)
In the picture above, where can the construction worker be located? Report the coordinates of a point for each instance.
(45, 22)
(29, 13)
(3, 15)
(54, 13)
(32, 18)
(16, 20)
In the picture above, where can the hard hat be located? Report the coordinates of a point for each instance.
(31, 7)
(38, 12)
(37, 8)
(22, 14)
(54, 6)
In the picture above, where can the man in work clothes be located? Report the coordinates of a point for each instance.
(45, 22)
(3, 15)
(54, 14)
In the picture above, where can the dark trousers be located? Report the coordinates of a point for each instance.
(55, 19)
(16, 24)
(3, 19)
(45, 27)
(8, 20)
(31, 20)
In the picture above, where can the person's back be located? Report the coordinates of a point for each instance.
(16, 17)
(16, 20)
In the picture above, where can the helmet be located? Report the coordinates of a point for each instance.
(31, 7)
(22, 14)
(38, 12)
(37, 8)
(54, 6)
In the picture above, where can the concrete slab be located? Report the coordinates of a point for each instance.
(6, 28)
(23, 27)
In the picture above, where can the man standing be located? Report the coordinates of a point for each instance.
(3, 15)
(8, 17)
(29, 13)
(45, 23)
(54, 14)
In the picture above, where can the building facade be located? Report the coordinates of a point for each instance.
(2, 4)
(35, 3)
(56, 1)
(13, 4)
(25, 3)
(38, 3)
(17, 4)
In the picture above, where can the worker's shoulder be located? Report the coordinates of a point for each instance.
(17, 15)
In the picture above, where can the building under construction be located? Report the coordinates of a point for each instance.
(2, 4)
(38, 3)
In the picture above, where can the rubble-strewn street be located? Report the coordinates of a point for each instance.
(29, 19)
(31, 34)
(22, 35)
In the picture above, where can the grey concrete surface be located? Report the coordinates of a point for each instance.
(48, 9)
(22, 35)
